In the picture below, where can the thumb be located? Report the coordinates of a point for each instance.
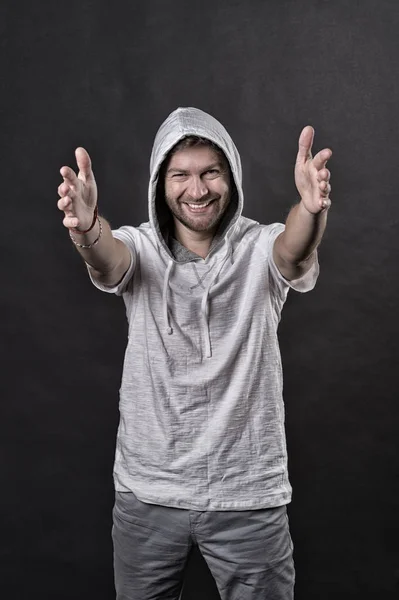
(84, 163)
(305, 144)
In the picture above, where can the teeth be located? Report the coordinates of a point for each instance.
(199, 205)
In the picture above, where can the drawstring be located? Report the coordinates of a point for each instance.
(205, 320)
(169, 330)
(204, 301)
(205, 304)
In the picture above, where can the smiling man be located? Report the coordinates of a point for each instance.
(197, 191)
(201, 455)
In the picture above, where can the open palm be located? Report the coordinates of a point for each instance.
(78, 193)
(312, 178)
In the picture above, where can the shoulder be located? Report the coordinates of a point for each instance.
(256, 234)
(132, 235)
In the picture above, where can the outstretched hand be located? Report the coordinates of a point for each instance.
(78, 193)
(312, 178)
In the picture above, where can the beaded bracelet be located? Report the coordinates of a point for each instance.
(87, 246)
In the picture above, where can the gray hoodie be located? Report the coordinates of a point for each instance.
(201, 408)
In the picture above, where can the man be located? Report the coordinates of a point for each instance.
(201, 455)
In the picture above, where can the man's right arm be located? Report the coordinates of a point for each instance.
(108, 258)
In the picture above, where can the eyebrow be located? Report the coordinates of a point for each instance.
(185, 172)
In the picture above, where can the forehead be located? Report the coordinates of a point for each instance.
(195, 157)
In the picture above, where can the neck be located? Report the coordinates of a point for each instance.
(198, 242)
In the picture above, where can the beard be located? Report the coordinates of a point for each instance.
(207, 221)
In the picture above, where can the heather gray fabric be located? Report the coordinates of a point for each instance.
(180, 253)
(249, 553)
(201, 407)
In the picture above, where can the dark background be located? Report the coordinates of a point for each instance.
(105, 75)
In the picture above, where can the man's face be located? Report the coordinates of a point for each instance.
(197, 187)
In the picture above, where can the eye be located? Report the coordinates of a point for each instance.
(212, 173)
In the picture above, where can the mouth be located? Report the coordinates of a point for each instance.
(198, 207)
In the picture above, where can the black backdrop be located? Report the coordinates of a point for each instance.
(104, 75)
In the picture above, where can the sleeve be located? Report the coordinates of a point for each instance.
(302, 284)
(126, 235)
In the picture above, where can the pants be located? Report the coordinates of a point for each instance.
(249, 552)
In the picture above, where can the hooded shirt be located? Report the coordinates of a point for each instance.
(201, 407)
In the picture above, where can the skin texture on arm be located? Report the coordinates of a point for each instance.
(294, 248)
(109, 258)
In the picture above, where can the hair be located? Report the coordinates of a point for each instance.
(192, 141)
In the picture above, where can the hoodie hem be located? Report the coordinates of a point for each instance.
(208, 504)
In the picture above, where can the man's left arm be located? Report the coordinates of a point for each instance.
(294, 249)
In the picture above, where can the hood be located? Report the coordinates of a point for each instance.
(179, 124)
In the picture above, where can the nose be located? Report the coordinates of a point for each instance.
(197, 188)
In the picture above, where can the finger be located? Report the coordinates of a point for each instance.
(324, 175)
(69, 176)
(321, 158)
(305, 144)
(64, 189)
(84, 163)
(325, 188)
(65, 204)
(70, 222)
(325, 203)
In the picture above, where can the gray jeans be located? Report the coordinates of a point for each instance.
(248, 552)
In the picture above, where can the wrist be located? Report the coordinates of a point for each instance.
(89, 239)
(92, 224)
(313, 212)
